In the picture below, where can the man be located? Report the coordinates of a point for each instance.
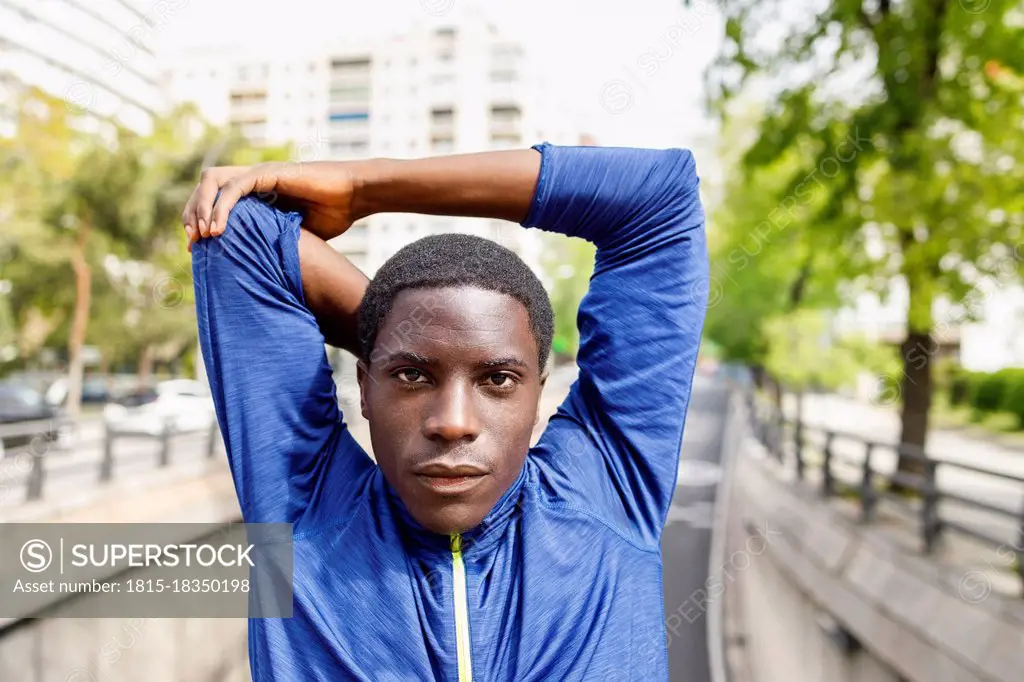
(462, 553)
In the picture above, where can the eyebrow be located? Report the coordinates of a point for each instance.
(417, 358)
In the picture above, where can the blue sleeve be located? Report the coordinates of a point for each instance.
(613, 447)
(291, 455)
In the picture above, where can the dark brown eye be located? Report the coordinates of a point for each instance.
(410, 375)
(502, 379)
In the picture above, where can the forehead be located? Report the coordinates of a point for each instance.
(458, 323)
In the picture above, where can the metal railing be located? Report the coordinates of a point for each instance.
(847, 465)
(42, 460)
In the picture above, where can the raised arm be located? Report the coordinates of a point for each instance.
(614, 445)
(291, 455)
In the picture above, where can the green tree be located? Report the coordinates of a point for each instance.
(568, 263)
(903, 118)
(104, 204)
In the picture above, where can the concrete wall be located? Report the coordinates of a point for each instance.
(55, 649)
(830, 600)
(126, 650)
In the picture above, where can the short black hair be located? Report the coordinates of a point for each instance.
(447, 260)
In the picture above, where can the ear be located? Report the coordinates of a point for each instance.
(543, 381)
(364, 379)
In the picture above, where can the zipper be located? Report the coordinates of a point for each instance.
(461, 610)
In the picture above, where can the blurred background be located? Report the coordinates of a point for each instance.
(863, 357)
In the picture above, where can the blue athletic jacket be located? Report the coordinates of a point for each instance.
(562, 581)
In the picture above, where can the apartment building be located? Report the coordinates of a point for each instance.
(97, 55)
(438, 89)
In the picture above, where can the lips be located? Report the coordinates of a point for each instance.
(450, 479)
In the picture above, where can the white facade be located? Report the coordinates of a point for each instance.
(95, 54)
(434, 90)
(989, 326)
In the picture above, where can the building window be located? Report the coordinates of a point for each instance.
(442, 79)
(354, 66)
(505, 113)
(500, 141)
(349, 147)
(442, 116)
(247, 98)
(443, 145)
(354, 93)
(350, 116)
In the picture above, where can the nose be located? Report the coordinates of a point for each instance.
(452, 415)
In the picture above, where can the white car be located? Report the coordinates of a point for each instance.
(178, 405)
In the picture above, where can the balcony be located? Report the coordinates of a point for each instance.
(506, 127)
(442, 144)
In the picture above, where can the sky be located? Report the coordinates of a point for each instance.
(630, 72)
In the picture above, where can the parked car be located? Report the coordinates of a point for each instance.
(23, 402)
(94, 390)
(178, 405)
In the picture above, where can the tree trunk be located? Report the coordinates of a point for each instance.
(777, 394)
(917, 353)
(757, 374)
(146, 365)
(79, 322)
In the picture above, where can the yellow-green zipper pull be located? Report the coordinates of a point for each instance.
(461, 610)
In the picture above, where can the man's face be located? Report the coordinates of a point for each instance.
(452, 393)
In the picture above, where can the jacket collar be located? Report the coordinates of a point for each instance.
(418, 539)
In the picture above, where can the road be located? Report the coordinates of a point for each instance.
(686, 543)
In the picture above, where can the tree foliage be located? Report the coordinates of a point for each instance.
(92, 252)
(900, 121)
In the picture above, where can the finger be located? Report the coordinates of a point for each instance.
(188, 215)
(210, 182)
(230, 193)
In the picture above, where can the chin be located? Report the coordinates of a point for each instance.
(453, 519)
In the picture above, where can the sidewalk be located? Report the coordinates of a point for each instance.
(881, 424)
